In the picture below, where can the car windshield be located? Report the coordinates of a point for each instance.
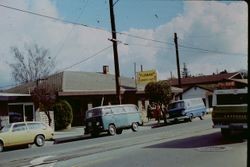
(176, 105)
(93, 113)
(6, 128)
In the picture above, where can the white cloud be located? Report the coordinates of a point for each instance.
(210, 25)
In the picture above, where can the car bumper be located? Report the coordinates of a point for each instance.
(232, 126)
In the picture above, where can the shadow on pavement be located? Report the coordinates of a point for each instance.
(213, 139)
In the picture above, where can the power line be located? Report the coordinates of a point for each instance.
(66, 37)
(92, 56)
(143, 38)
(210, 51)
(121, 33)
(51, 18)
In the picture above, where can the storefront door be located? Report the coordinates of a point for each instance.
(19, 112)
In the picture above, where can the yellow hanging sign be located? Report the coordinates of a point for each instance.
(147, 76)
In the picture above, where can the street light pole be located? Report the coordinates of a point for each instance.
(116, 60)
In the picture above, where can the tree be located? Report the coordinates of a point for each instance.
(44, 97)
(35, 63)
(159, 92)
(63, 114)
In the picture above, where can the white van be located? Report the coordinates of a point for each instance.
(186, 109)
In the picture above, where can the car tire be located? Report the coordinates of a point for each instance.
(202, 115)
(1, 146)
(39, 140)
(191, 117)
(112, 130)
(134, 127)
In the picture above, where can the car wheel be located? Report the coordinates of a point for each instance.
(202, 115)
(191, 117)
(134, 127)
(39, 140)
(112, 130)
(1, 146)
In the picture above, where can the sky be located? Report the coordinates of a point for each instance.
(212, 35)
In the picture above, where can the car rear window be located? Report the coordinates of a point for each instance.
(224, 99)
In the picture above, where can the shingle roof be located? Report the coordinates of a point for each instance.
(206, 79)
(89, 81)
(83, 83)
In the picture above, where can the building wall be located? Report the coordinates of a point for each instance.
(197, 92)
(194, 92)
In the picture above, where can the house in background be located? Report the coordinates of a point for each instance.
(84, 90)
(203, 86)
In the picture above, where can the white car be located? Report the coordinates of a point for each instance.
(24, 133)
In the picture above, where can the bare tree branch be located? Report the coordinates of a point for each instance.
(35, 63)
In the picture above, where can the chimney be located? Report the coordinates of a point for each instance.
(105, 69)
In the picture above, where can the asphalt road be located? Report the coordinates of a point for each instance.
(184, 144)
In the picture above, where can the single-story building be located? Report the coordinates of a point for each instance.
(203, 86)
(84, 90)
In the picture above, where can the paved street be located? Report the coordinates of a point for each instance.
(184, 144)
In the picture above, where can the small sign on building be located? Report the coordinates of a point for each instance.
(147, 76)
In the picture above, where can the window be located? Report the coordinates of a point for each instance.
(118, 110)
(176, 105)
(224, 99)
(6, 128)
(93, 113)
(33, 126)
(19, 127)
(106, 111)
(130, 109)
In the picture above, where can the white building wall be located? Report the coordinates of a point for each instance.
(197, 92)
(194, 92)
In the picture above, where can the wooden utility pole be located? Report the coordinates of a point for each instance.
(116, 60)
(177, 61)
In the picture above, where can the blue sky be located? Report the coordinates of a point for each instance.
(212, 35)
(127, 12)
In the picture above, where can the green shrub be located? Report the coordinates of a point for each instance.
(63, 114)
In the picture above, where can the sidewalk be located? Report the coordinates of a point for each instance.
(66, 135)
(77, 133)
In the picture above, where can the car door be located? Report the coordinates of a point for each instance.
(20, 134)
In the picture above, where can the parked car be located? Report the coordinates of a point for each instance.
(24, 133)
(186, 109)
(112, 119)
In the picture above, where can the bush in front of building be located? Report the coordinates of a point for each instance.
(63, 114)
